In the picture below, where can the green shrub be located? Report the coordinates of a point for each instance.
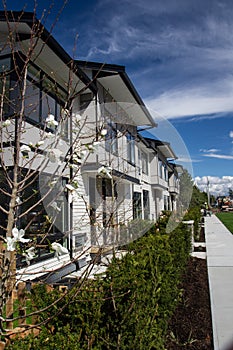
(128, 309)
(194, 214)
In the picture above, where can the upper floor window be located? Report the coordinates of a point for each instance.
(163, 171)
(144, 160)
(5, 64)
(111, 141)
(43, 95)
(85, 100)
(130, 148)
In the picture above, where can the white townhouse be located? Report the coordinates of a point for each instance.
(86, 115)
(38, 78)
(120, 193)
(164, 176)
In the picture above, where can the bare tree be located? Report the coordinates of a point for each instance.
(46, 138)
(42, 149)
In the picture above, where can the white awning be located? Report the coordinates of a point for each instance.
(138, 114)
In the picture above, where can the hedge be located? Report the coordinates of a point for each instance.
(128, 309)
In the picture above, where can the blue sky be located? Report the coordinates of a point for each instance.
(178, 54)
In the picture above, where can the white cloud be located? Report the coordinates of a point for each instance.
(217, 185)
(188, 101)
(219, 156)
(212, 150)
(212, 153)
(187, 160)
(231, 134)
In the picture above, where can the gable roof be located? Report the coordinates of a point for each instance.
(116, 81)
(24, 24)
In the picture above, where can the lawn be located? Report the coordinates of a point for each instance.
(227, 220)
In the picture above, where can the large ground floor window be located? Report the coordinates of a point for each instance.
(137, 205)
(42, 211)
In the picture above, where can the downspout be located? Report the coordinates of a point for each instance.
(70, 223)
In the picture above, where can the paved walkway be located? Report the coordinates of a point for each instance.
(219, 249)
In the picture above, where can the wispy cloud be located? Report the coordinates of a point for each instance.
(187, 101)
(212, 150)
(219, 156)
(188, 160)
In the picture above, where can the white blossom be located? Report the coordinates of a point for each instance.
(38, 144)
(103, 132)
(72, 192)
(29, 254)
(6, 123)
(50, 135)
(76, 117)
(18, 235)
(18, 200)
(105, 171)
(79, 156)
(55, 206)
(25, 149)
(54, 155)
(50, 120)
(59, 249)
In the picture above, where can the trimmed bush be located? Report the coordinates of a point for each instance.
(128, 309)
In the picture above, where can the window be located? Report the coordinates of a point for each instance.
(109, 188)
(5, 64)
(85, 100)
(111, 141)
(166, 202)
(144, 159)
(43, 96)
(146, 205)
(130, 148)
(32, 101)
(109, 196)
(160, 169)
(163, 171)
(137, 205)
(44, 223)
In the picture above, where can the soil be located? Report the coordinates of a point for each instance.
(191, 325)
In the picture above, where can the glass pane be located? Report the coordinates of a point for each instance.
(48, 106)
(137, 205)
(4, 87)
(5, 64)
(32, 102)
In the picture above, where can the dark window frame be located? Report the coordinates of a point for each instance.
(130, 148)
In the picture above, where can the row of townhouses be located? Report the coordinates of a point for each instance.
(119, 177)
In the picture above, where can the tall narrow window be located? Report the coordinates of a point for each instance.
(146, 205)
(5, 82)
(144, 163)
(32, 101)
(130, 148)
(85, 100)
(111, 142)
(137, 205)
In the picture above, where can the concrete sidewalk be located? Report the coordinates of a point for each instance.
(219, 250)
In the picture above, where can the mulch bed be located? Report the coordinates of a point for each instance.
(191, 325)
